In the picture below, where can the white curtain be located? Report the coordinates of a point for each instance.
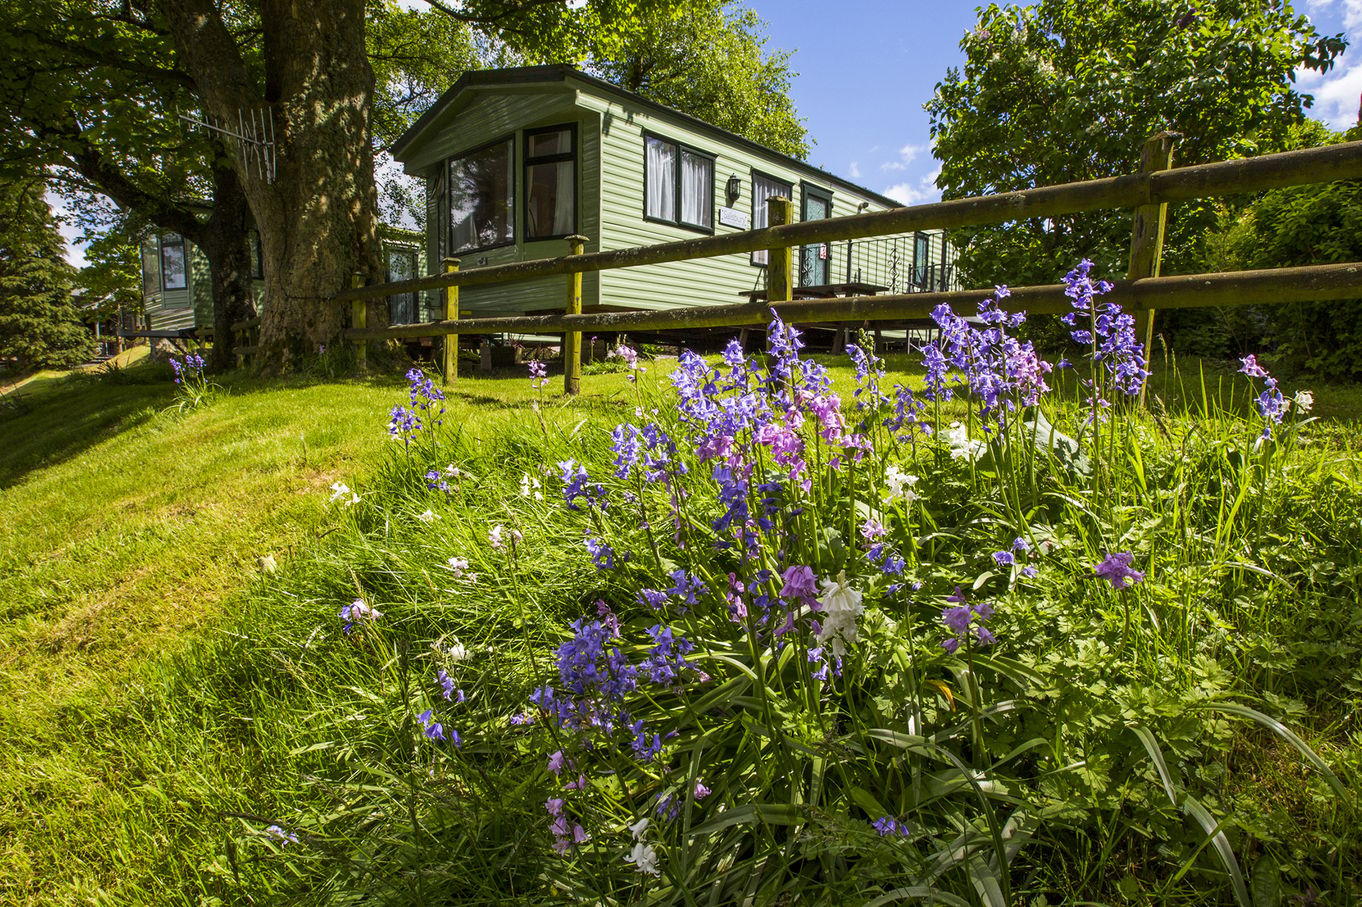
(562, 211)
(762, 189)
(697, 189)
(660, 173)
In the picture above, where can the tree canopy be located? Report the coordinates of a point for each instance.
(93, 88)
(708, 58)
(40, 326)
(1069, 90)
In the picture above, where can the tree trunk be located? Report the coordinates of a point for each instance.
(224, 244)
(318, 216)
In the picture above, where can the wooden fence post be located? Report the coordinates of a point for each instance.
(359, 318)
(779, 262)
(1146, 235)
(451, 348)
(572, 340)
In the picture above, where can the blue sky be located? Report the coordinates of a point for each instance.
(866, 67)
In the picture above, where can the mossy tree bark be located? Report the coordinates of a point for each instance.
(318, 216)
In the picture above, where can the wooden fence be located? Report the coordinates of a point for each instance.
(1148, 192)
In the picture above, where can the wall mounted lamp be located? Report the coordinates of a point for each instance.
(734, 188)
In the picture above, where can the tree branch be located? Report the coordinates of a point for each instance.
(109, 179)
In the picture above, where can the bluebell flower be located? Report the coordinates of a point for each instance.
(433, 729)
(1115, 569)
(1272, 405)
(602, 555)
(577, 484)
(627, 446)
(964, 621)
(888, 827)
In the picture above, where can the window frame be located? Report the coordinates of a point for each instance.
(809, 190)
(770, 178)
(921, 278)
(414, 256)
(528, 161)
(161, 245)
(509, 141)
(677, 171)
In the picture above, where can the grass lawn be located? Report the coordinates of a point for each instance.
(131, 539)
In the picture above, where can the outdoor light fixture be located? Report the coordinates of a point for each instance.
(734, 187)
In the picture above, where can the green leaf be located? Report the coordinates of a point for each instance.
(753, 814)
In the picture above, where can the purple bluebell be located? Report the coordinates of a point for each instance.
(1271, 403)
(667, 658)
(964, 621)
(626, 445)
(577, 484)
(1115, 569)
(645, 748)
(1108, 333)
(800, 584)
(602, 555)
(430, 727)
(889, 827)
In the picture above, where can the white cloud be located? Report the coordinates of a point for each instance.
(1337, 96)
(1352, 11)
(907, 154)
(1336, 92)
(916, 193)
(855, 170)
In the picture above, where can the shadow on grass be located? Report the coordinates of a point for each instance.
(55, 418)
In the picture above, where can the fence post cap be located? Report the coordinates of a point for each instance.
(449, 261)
(576, 238)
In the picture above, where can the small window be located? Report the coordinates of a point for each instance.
(922, 256)
(401, 266)
(174, 275)
(678, 184)
(763, 188)
(482, 199)
(550, 183)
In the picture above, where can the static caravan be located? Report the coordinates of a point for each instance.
(177, 293)
(516, 160)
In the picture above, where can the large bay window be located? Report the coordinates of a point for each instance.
(550, 183)
(482, 198)
(678, 184)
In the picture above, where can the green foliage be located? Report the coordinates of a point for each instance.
(113, 273)
(1067, 90)
(707, 58)
(40, 326)
(1302, 225)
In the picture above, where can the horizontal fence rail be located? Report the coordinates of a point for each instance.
(1269, 171)
(1276, 285)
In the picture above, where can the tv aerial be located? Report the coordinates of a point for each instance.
(253, 137)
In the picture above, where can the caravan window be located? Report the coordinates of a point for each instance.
(482, 199)
(174, 275)
(763, 188)
(550, 183)
(678, 184)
